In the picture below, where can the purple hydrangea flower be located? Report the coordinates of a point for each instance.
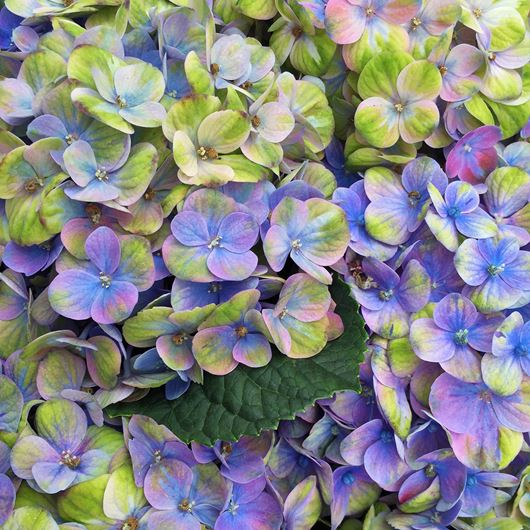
(212, 238)
(497, 272)
(386, 299)
(451, 337)
(474, 156)
(106, 287)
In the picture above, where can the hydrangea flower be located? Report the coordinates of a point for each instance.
(212, 238)
(496, 271)
(474, 156)
(399, 205)
(314, 234)
(124, 96)
(451, 337)
(106, 287)
(386, 299)
(60, 454)
(503, 370)
(394, 105)
(458, 212)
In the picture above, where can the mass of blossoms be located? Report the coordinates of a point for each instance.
(186, 189)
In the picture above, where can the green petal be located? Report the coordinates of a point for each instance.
(122, 497)
(188, 113)
(408, 87)
(143, 329)
(232, 311)
(244, 170)
(377, 121)
(42, 68)
(225, 131)
(32, 517)
(307, 338)
(312, 54)
(198, 76)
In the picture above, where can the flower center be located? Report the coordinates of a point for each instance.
(255, 121)
(241, 331)
(453, 211)
(430, 471)
(101, 174)
(460, 336)
(149, 194)
(122, 102)
(246, 85)
(207, 153)
(348, 479)
(215, 242)
(215, 287)
(105, 280)
(485, 396)
(399, 107)
(386, 295)
(443, 69)
(415, 23)
(521, 350)
(370, 12)
(296, 244)
(70, 460)
(94, 213)
(69, 139)
(226, 448)
(185, 505)
(297, 31)
(130, 524)
(283, 312)
(467, 148)
(491, 56)
(334, 430)
(493, 270)
(477, 12)
(414, 198)
(157, 456)
(179, 338)
(214, 69)
(172, 93)
(471, 480)
(232, 507)
(387, 437)
(31, 186)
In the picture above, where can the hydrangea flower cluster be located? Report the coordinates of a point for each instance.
(182, 183)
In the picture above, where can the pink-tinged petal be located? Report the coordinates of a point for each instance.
(278, 332)
(459, 407)
(239, 232)
(465, 365)
(464, 60)
(190, 229)
(276, 247)
(213, 347)
(456, 88)
(229, 266)
(253, 350)
(431, 343)
(354, 446)
(345, 22)
(115, 303)
(175, 355)
(72, 293)
(396, 11)
(418, 121)
(167, 484)
(103, 249)
(513, 412)
(276, 122)
(53, 477)
(80, 162)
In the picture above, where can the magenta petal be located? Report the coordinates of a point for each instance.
(103, 249)
(228, 266)
(115, 303)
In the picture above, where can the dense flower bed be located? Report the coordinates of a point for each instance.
(190, 190)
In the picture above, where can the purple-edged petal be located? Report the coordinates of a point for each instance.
(190, 229)
(253, 350)
(73, 292)
(115, 303)
(228, 266)
(103, 249)
(239, 232)
(80, 162)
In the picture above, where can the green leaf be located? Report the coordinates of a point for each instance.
(250, 400)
